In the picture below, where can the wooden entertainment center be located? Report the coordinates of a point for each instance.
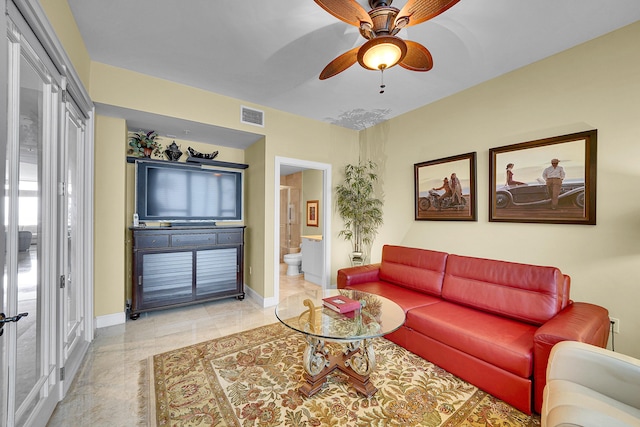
(181, 265)
(194, 260)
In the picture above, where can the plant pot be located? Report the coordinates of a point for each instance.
(357, 258)
(147, 151)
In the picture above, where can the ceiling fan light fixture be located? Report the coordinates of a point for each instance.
(382, 52)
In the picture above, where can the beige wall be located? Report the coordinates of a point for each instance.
(109, 222)
(256, 263)
(592, 86)
(61, 18)
(312, 190)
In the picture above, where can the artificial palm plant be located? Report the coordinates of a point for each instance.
(360, 210)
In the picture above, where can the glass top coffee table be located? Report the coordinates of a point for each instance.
(306, 314)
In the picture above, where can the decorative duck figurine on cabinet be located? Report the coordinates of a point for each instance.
(199, 155)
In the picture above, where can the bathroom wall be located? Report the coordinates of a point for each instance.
(312, 190)
(290, 196)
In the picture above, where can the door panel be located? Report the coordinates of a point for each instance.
(29, 348)
(70, 257)
(168, 276)
(29, 353)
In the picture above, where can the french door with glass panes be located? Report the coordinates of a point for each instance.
(44, 289)
(30, 267)
(72, 295)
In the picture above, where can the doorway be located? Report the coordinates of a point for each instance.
(285, 166)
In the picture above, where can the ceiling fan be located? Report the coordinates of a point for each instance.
(383, 49)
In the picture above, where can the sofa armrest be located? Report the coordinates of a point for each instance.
(611, 374)
(579, 321)
(359, 274)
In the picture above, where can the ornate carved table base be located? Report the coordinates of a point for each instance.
(357, 361)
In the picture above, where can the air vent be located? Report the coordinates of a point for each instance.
(251, 116)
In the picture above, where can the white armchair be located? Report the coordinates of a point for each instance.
(590, 386)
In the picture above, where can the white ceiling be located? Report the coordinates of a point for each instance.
(271, 52)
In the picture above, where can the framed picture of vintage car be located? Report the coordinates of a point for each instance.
(445, 189)
(550, 180)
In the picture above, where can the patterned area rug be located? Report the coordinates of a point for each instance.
(251, 379)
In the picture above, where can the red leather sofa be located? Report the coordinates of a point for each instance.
(492, 323)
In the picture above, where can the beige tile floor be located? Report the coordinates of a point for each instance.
(105, 391)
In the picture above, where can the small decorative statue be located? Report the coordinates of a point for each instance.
(173, 152)
(199, 155)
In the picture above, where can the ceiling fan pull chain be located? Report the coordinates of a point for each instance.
(382, 85)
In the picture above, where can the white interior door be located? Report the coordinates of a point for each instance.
(72, 290)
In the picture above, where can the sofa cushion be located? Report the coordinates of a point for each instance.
(525, 292)
(405, 298)
(418, 269)
(503, 342)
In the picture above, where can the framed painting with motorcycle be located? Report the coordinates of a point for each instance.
(445, 189)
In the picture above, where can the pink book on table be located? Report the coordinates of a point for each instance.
(341, 304)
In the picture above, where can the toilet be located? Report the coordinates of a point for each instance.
(294, 262)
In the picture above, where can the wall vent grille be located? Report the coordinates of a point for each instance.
(251, 116)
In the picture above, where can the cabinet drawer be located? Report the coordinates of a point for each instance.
(179, 240)
(152, 241)
(230, 237)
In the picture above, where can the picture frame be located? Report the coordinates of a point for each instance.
(312, 213)
(433, 202)
(521, 191)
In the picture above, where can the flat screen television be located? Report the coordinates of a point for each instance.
(180, 193)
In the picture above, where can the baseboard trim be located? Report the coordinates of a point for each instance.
(259, 299)
(111, 320)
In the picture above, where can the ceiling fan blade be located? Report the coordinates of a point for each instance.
(348, 11)
(418, 58)
(422, 10)
(340, 64)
